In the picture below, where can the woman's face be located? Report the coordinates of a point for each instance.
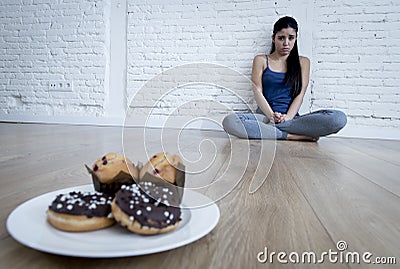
(284, 40)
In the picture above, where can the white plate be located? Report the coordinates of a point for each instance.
(28, 225)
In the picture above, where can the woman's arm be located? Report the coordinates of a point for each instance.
(298, 100)
(256, 76)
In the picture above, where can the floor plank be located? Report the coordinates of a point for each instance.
(314, 195)
(351, 207)
(377, 170)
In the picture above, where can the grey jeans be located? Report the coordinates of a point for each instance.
(257, 126)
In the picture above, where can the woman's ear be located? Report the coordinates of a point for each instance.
(273, 38)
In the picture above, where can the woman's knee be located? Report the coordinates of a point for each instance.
(338, 120)
(233, 125)
(229, 122)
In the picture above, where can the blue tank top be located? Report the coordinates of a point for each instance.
(275, 90)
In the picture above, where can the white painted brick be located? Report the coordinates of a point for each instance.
(355, 54)
(41, 55)
(371, 74)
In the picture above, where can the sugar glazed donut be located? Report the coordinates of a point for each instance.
(146, 214)
(80, 211)
(162, 165)
(112, 171)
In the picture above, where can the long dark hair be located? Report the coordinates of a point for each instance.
(293, 74)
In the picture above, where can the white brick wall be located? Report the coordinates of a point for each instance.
(353, 46)
(163, 35)
(356, 60)
(46, 40)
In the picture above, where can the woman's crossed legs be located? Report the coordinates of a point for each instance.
(309, 126)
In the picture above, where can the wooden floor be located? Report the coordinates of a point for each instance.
(315, 194)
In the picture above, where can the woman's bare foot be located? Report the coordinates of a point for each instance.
(295, 137)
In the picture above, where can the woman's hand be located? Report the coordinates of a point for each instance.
(286, 117)
(279, 117)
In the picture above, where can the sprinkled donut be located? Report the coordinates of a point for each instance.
(146, 214)
(80, 211)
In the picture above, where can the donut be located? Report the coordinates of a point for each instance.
(112, 171)
(80, 211)
(162, 165)
(141, 213)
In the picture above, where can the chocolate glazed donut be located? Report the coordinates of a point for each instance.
(133, 208)
(80, 211)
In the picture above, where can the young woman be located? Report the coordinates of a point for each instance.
(280, 82)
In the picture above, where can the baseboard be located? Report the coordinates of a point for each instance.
(68, 120)
(183, 122)
(179, 122)
(137, 121)
(369, 132)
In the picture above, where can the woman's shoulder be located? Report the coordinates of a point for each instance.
(260, 60)
(304, 60)
(260, 57)
(304, 63)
